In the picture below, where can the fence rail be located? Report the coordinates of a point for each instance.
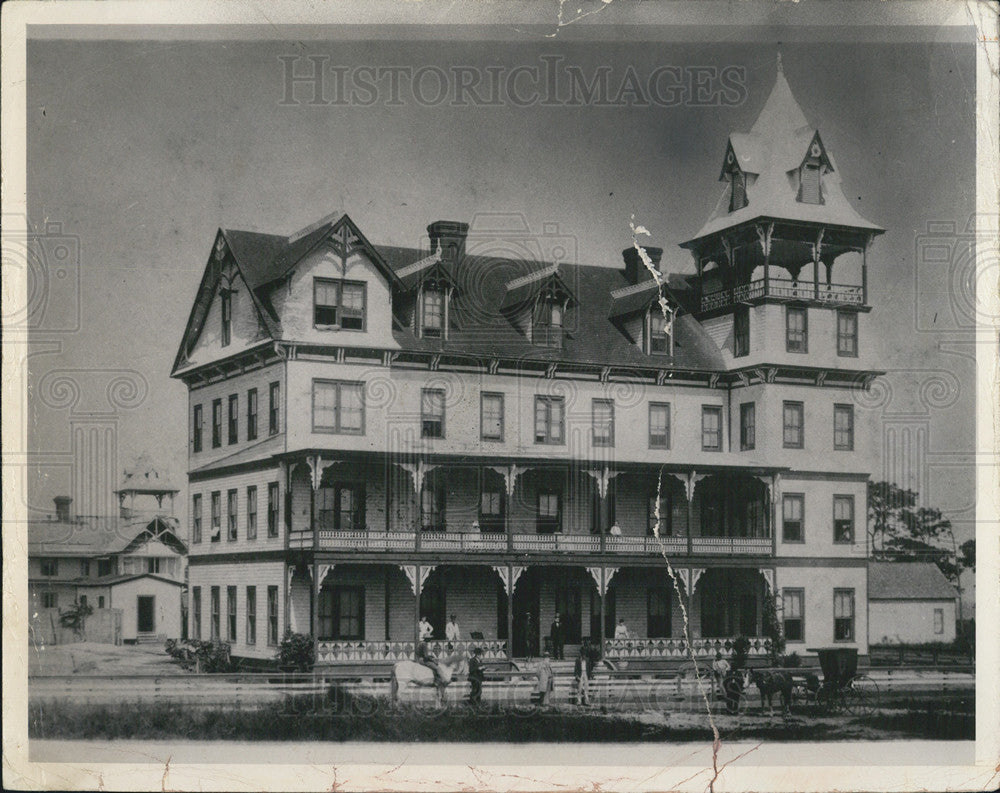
(785, 288)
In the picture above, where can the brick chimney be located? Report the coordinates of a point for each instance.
(62, 508)
(635, 268)
(449, 236)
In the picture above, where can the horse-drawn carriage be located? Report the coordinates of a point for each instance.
(843, 689)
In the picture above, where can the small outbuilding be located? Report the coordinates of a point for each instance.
(910, 603)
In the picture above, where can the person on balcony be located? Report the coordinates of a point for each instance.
(451, 631)
(621, 631)
(558, 640)
(425, 629)
(616, 530)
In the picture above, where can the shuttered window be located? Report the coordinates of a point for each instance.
(809, 188)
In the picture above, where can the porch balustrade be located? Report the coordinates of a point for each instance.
(464, 541)
(639, 649)
(840, 294)
(328, 651)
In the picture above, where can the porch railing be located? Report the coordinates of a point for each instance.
(840, 294)
(373, 651)
(638, 649)
(492, 542)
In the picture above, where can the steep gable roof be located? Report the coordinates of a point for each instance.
(908, 581)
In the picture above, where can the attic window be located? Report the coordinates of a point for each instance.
(659, 333)
(338, 304)
(226, 296)
(738, 195)
(809, 184)
(548, 325)
(432, 312)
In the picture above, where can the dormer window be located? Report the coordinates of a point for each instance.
(432, 312)
(226, 297)
(738, 193)
(338, 305)
(809, 183)
(548, 325)
(659, 333)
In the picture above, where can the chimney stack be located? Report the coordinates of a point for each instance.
(449, 236)
(635, 268)
(62, 508)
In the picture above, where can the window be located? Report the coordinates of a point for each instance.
(809, 184)
(338, 304)
(793, 614)
(843, 615)
(549, 515)
(105, 567)
(843, 518)
(741, 331)
(100, 601)
(342, 612)
(491, 509)
(338, 407)
(83, 600)
(196, 429)
(433, 504)
(216, 516)
(491, 417)
(252, 414)
(215, 615)
(658, 621)
(252, 512)
(196, 612)
(548, 327)
(341, 507)
(84, 568)
(549, 419)
(272, 509)
(666, 515)
(231, 614)
(272, 615)
(432, 413)
(843, 428)
(432, 313)
(50, 567)
(748, 426)
(711, 428)
(231, 515)
(602, 413)
(738, 193)
(938, 620)
(796, 329)
(792, 509)
(234, 418)
(273, 401)
(847, 334)
(154, 565)
(659, 332)
(251, 637)
(227, 316)
(792, 424)
(216, 423)
(196, 518)
(50, 600)
(659, 425)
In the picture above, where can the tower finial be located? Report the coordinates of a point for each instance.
(779, 62)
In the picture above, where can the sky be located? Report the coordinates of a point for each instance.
(142, 149)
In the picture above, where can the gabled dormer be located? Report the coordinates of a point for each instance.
(734, 173)
(814, 165)
(425, 301)
(644, 310)
(538, 304)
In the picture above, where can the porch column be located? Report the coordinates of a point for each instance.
(510, 473)
(416, 599)
(864, 271)
(510, 610)
(816, 252)
(764, 235)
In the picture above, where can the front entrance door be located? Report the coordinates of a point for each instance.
(526, 611)
(609, 615)
(568, 608)
(145, 609)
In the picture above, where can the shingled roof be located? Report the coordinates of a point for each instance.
(908, 581)
(86, 537)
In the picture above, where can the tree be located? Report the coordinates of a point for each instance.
(885, 503)
(967, 560)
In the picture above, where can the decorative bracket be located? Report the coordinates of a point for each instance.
(821, 377)
(550, 371)
(764, 235)
(410, 570)
(605, 374)
(727, 246)
(511, 582)
(744, 379)
(322, 571)
(713, 380)
(818, 245)
(510, 474)
(768, 573)
(493, 365)
(696, 573)
(388, 357)
(435, 362)
(418, 471)
(603, 478)
(602, 577)
(773, 484)
(691, 483)
(685, 576)
(661, 377)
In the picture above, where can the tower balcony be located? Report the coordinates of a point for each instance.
(816, 293)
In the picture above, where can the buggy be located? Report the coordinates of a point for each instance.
(843, 689)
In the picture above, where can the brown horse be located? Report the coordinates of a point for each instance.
(769, 683)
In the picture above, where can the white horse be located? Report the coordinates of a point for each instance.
(411, 673)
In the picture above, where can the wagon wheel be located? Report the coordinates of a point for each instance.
(861, 696)
(830, 698)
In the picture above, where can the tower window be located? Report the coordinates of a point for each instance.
(738, 195)
(227, 316)
(809, 184)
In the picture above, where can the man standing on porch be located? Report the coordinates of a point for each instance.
(451, 631)
(426, 630)
(556, 635)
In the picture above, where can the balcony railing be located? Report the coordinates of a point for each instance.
(834, 294)
(342, 651)
(491, 542)
(638, 649)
